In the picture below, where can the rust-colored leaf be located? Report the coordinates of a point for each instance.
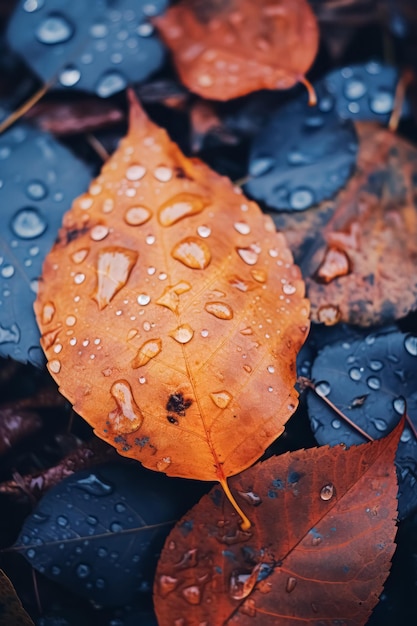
(171, 312)
(358, 253)
(319, 550)
(12, 612)
(223, 50)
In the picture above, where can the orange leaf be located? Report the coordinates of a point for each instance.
(318, 552)
(171, 312)
(223, 50)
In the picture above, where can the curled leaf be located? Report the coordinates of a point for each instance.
(171, 312)
(223, 50)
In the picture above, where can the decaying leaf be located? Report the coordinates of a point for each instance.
(171, 312)
(318, 552)
(12, 612)
(358, 253)
(223, 50)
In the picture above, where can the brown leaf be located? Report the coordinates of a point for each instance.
(358, 253)
(223, 50)
(12, 612)
(319, 550)
(171, 312)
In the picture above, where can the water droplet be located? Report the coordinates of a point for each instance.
(242, 227)
(192, 252)
(54, 29)
(323, 388)
(167, 584)
(94, 486)
(376, 366)
(259, 275)
(241, 585)
(79, 255)
(382, 102)
(48, 313)
(374, 383)
(192, 594)
(251, 497)
(248, 255)
(30, 553)
(62, 521)
(83, 570)
(327, 492)
(69, 76)
(182, 334)
(99, 30)
(79, 278)
(221, 398)
(410, 344)
(149, 350)
(301, 199)
(204, 333)
(99, 232)
(271, 369)
(288, 289)
(150, 239)
(204, 231)
(380, 424)
(28, 223)
(221, 310)
(205, 80)
(354, 89)
(116, 527)
(54, 366)
(260, 166)
(247, 368)
(135, 172)
(7, 271)
(110, 83)
(114, 266)
(163, 173)
(180, 206)
(355, 373)
(399, 405)
(145, 29)
(36, 190)
(137, 215)
(143, 299)
(336, 424)
(71, 320)
(406, 435)
(126, 417)
(246, 331)
(163, 464)
(291, 584)
(170, 296)
(33, 5)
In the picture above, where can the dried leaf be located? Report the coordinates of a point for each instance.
(171, 312)
(223, 50)
(12, 612)
(358, 253)
(319, 550)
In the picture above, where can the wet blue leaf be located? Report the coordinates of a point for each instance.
(39, 178)
(99, 46)
(99, 532)
(371, 380)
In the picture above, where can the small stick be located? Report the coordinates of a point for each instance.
(24, 108)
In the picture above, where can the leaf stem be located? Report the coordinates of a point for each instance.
(246, 523)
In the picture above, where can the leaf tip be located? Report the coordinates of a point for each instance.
(137, 115)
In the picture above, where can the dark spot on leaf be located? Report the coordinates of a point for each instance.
(178, 404)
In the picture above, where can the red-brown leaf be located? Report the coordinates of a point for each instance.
(223, 50)
(319, 549)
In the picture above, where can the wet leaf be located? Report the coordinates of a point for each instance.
(99, 47)
(171, 312)
(358, 253)
(372, 381)
(319, 550)
(303, 155)
(12, 612)
(98, 532)
(227, 49)
(39, 180)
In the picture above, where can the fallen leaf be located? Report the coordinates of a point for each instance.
(12, 612)
(39, 180)
(358, 253)
(95, 47)
(223, 50)
(99, 522)
(171, 312)
(319, 550)
(372, 380)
